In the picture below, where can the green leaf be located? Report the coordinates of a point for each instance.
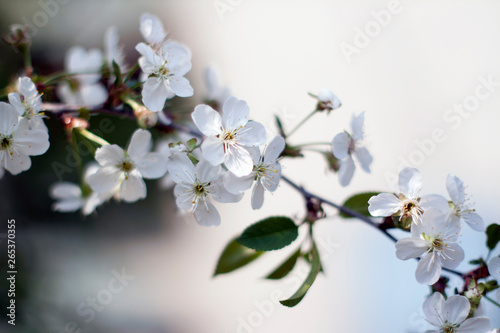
(118, 74)
(191, 144)
(493, 233)
(235, 256)
(299, 294)
(285, 268)
(358, 203)
(269, 234)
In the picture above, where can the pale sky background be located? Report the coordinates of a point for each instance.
(429, 56)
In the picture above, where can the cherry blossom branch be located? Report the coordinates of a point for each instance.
(353, 213)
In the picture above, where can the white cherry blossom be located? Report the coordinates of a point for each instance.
(229, 136)
(196, 187)
(346, 145)
(165, 68)
(216, 93)
(328, 99)
(266, 173)
(125, 170)
(450, 316)
(28, 103)
(460, 206)
(435, 241)
(408, 204)
(494, 269)
(85, 89)
(18, 142)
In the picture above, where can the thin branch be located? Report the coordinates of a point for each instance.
(352, 213)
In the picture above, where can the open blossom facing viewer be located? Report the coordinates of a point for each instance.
(266, 173)
(435, 241)
(84, 89)
(124, 170)
(408, 204)
(18, 142)
(196, 187)
(346, 145)
(450, 316)
(28, 104)
(457, 194)
(229, 136)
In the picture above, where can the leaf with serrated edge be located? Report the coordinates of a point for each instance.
(272, 233)
(285, 268)
(235, 256)
(301, 292)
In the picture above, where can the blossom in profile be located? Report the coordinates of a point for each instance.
(450, 316)
(346, 145)
(460, 205)
(164, 68)
(435, 240)
(28, 103)
(83, 88)
(71, 197)
(197, 186)
(229, 136)
(328, 100)
(408, 205)
(124, 170)
(266, 172)
(18, 142)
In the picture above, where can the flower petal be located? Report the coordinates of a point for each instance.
(180, 86)
(32, 142)
(410, 182)
(236, 184)
(433, 307)
(8, 119)
(15, 162)
(428, 269)
(207, 120)
(455, 256)
(109, 155)
(154, 94)
(456, 309)
(94, 94)
(212, 150)
(15, 101)
(411, 247)
(105, 179)
(206, 214)
(346, 171)
(64, 190)
(184, 196)
(181, 169)
(364, 158)
(257, 195)
(235, 113)
(473, 220)
(340, 145)
(140, 143)
(152, 165)
(383, 204)
(152, 28)
(436, 201)
(494, 267)
(274, 149)
(238, 161)
(455, 189)
(476, 325)
(357, 126)
(132, 188)
(253, 134)
(68, 205)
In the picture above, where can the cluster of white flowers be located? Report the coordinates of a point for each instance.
(435, 223)
(22, 130)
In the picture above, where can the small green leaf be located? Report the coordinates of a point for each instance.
(191, 144)
(118, 74)
(493, 233)
(269, 234)
(358, 203)
(299, 294)
(285, 268)
(235, 256)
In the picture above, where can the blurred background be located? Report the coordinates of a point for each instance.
(414, 67)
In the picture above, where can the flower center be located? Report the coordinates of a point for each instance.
(126, 166)
(435, 243)
(200, 190)
(450, 327)
(5, 143)
(164, 72)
